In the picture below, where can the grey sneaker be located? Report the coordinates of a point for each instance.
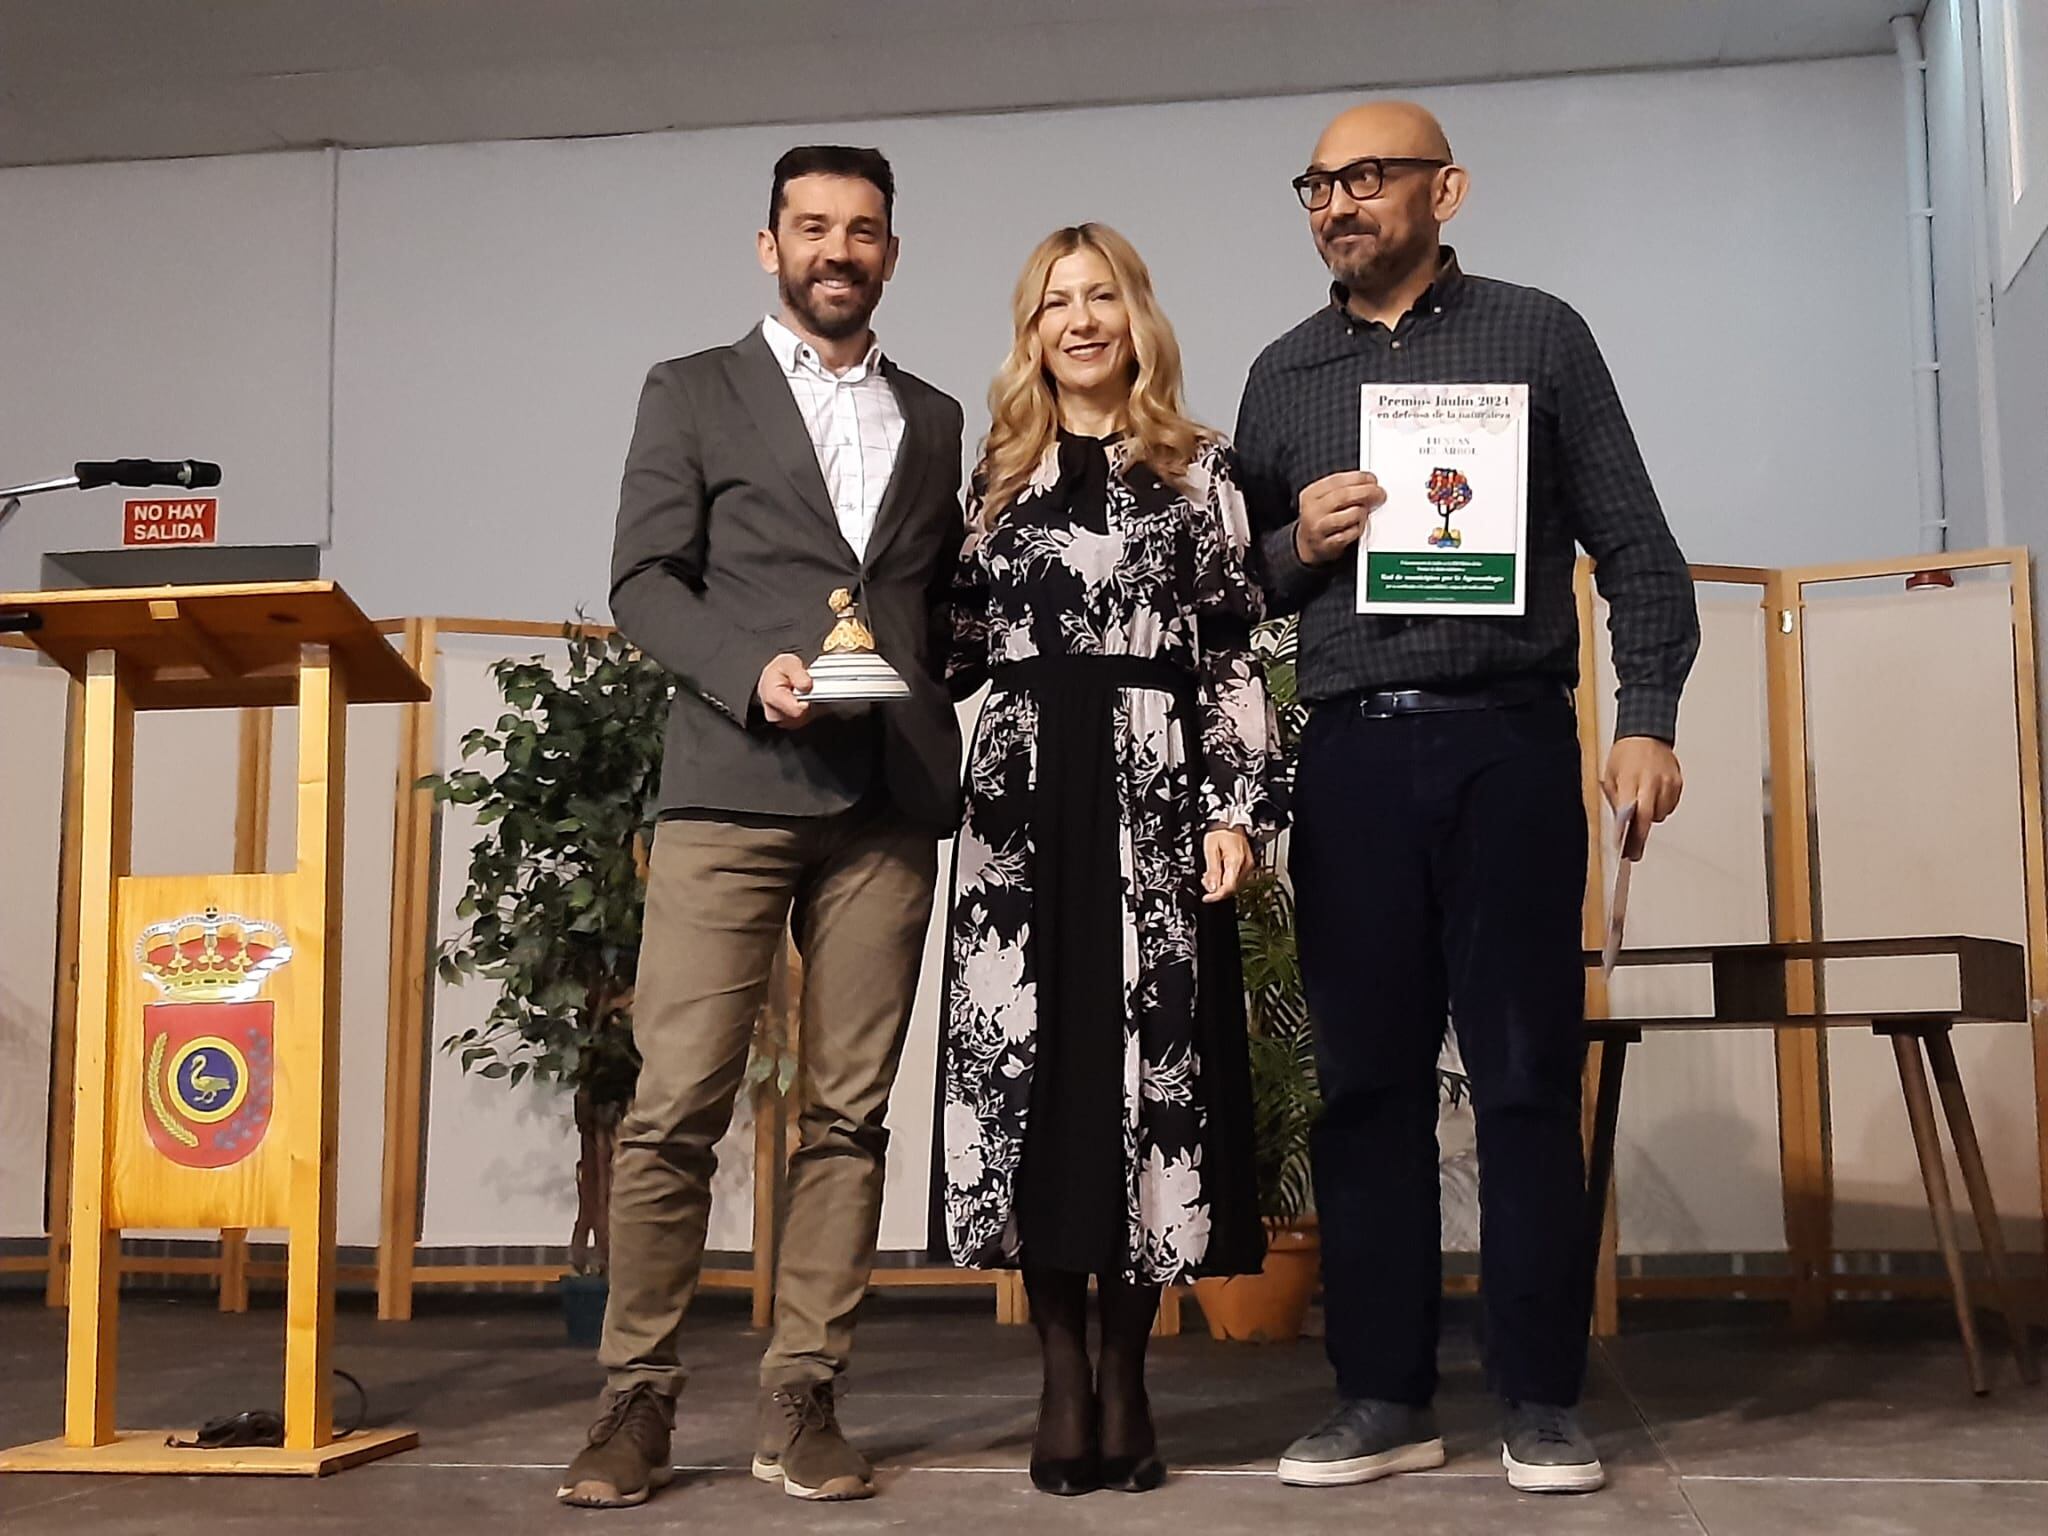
(1361, 1441)
(801, 1446)
(1546, 1450)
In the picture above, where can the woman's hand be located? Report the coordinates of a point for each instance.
(1227, 862)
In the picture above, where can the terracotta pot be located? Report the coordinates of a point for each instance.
(1271, 1306)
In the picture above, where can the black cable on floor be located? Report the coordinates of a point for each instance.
(362, 1405)
(261, 1426)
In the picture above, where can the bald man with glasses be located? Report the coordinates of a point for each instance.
(1439, 853)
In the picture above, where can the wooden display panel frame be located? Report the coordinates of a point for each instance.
(398, 1273)
(1804, 1142)
(1806, 1151)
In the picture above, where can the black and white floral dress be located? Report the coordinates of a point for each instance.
(1094, 1081)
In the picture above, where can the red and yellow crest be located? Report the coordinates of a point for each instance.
(208, 1051)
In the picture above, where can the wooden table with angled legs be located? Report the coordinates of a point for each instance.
(1751, 992)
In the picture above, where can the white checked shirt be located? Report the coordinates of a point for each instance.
(855, 424)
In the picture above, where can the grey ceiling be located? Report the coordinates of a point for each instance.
(122, 79)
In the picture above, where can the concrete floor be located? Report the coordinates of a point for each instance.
(1710, 1419)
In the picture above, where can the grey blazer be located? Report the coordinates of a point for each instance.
(726, 551)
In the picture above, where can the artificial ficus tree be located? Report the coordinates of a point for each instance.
(564, 790)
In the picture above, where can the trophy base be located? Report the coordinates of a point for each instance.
(854, 677)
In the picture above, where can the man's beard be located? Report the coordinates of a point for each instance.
(848, 318)
(1378, 268)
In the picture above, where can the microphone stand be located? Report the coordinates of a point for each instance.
(21, 621)
(10, 496)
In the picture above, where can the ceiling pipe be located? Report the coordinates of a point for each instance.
(1920, 254)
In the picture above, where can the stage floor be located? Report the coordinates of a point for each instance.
(1710, 1419)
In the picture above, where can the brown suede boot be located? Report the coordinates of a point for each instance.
(801, 1446)
(627, 1456)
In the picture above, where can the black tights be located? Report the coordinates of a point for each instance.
(1075, 1394)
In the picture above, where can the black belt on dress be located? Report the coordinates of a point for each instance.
(1386, 704)
(1036, 674)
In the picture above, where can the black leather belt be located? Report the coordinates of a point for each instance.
(1421, 701)
(1035, 673)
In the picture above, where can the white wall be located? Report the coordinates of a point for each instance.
(1733, 235)
(1996, 445)
(2014, 46)
(499, 303)
(174, 309)
(1696, 1149)
(2022, 312)
(2022, 353)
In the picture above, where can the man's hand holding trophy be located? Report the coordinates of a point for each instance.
(848, 671)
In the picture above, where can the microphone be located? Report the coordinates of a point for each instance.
(189, 474)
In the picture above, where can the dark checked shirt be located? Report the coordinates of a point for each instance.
(1587, 487)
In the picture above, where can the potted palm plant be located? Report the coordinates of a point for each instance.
(563, 788)
(1273, 1304)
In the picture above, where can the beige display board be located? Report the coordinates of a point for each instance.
(528, 1168)
(1697, 1162)
(1900, 796)
(1816, 807)
(34, 701)
(1698, 1166)
(1912, 754)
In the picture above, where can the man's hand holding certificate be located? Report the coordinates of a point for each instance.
(1642, 772)
(1332, 514)
(1643, 785)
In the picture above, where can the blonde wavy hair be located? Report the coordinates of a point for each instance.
(1022, 401)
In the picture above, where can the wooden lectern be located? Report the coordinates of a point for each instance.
(207, 1076)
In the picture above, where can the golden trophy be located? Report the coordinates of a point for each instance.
(850, 669)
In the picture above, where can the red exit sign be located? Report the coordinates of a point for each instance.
(186, 520)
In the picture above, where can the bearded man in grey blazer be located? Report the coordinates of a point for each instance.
(761, 478)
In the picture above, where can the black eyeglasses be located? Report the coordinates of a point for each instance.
(1361, 179)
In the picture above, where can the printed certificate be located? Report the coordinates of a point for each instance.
(1452, 534)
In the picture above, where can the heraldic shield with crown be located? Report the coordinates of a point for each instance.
(208, 1048)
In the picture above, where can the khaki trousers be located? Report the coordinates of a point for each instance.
(856, 889)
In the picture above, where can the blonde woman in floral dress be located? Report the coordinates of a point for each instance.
(1097, 1109)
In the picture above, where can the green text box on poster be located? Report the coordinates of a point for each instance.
(1453, 580)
